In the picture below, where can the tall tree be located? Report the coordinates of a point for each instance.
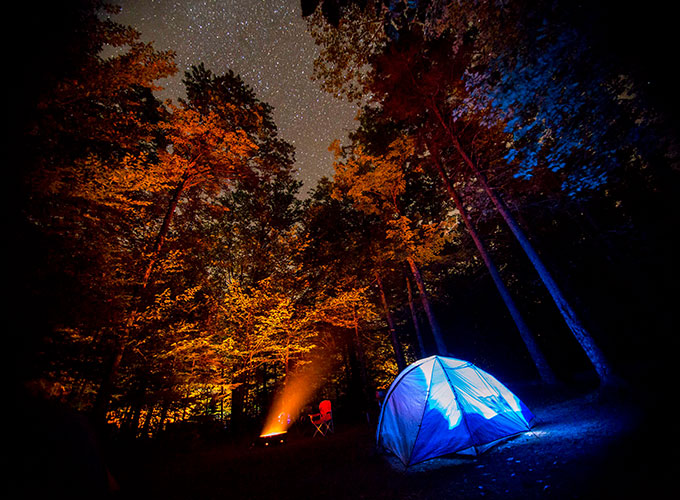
(414, 317)
(93, 117)
(222, 135)
(537, 356)
(340, 260)
(421, 74)
(433, 78)
(376, 184)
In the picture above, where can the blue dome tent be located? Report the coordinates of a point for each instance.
(442, 405)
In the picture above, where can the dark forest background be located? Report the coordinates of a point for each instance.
(612, 250)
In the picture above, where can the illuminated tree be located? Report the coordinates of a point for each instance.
(225, 156)
(340, 260)
(414, 79)
(422, 73)
(376, 185)
(537, 356)
(91, 134)
(346, 48)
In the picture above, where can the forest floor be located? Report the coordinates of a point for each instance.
(582, 446)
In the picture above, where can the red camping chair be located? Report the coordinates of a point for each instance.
(323, 421)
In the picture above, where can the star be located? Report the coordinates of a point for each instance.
(267, 44)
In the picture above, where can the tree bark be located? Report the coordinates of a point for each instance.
(434, 325)
(238, 404)
(414, 317)
(398, 352)
(101, 403)
(542, 366)
(106, 389)
(165, 227)
(579, 331)
(163, 416)
(147, 422)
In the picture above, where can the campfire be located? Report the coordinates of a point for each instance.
(275, 439)
(276, 430)
(288, 403)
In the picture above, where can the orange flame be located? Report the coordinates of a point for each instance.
(298, 389)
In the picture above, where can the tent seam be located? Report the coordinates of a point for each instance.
(420, 423)
(401, 377)
(462, 411)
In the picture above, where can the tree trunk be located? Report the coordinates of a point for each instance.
(356, 387)
(579, 331)
(134, 421)
(222, 397)
(398, 353)
(361, 355)
(366, 388)
(147, 422)
(101, 403)
(162, 417)
(238, 400)
(542, 366)
(125, 421)
(432, 320)
(434, 326)
(414, 317)
(165, 227)
(106, 389)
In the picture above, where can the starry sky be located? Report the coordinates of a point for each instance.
(267, 43)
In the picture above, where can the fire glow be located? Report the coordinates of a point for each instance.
(298, 389)
(278, 438)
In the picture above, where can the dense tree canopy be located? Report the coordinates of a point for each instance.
(168, 268)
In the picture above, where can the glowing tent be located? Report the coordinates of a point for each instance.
(442, 405)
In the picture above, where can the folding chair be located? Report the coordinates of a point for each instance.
(323, 421)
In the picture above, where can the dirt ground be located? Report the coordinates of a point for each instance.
(582, 446)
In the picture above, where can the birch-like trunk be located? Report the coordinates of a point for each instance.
(398, 352)
(542, 366)
(414, 317)
(572, 320)
(434, 325)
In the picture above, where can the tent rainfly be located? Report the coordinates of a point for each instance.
(442, 405)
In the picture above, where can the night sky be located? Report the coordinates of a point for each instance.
(264, 41)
